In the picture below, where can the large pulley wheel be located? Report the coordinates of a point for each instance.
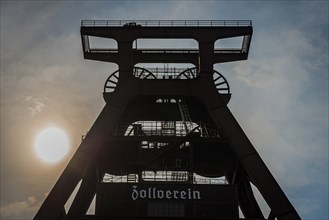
(142, 73)
(221, 83)
(113, 79)
(111, 82)
(189, 73)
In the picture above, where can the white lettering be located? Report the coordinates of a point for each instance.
(154, 193)
(182, 194)
(175, 194)
(134, 194)
(142, 194)
(149, 193)
(160, 194)
(196, 195)
(168, 194)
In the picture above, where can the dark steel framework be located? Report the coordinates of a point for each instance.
(166, 120)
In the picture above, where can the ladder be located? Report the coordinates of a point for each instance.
(179, 176)
(186, 119)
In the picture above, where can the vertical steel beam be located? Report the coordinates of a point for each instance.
(256, 169)
(248, 203)
(79, 164)
(85, 194)
(206, 51)
(125, 61)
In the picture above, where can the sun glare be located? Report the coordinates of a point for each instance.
(51, 145)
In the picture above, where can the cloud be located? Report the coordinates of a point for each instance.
(21, 209)
(34, 105)
(285, 91)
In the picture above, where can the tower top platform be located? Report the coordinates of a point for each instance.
(166, 23)
(205, 32)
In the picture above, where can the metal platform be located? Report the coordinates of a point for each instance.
(199, 30)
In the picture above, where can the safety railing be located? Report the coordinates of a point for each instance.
(167, 50)
(166, 128)
(166, 73)
(165, 176)
(228, 51)
(165, 23)
(166, 70)
(101, 50)
(164, 51)
(153, 128)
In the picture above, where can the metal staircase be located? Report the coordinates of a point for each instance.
(185, 116)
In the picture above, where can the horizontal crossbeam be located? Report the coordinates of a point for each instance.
(164, 23)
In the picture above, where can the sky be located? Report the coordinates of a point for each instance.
(279, 95)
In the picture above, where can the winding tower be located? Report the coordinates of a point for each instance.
(166, 146)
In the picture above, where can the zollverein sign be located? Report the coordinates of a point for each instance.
(166, 200)
(158, 193)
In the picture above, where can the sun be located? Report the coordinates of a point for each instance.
(51, 145)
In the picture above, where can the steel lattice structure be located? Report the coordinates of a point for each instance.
(166, 146)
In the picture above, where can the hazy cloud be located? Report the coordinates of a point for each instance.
(35, 105)
(26, 208)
